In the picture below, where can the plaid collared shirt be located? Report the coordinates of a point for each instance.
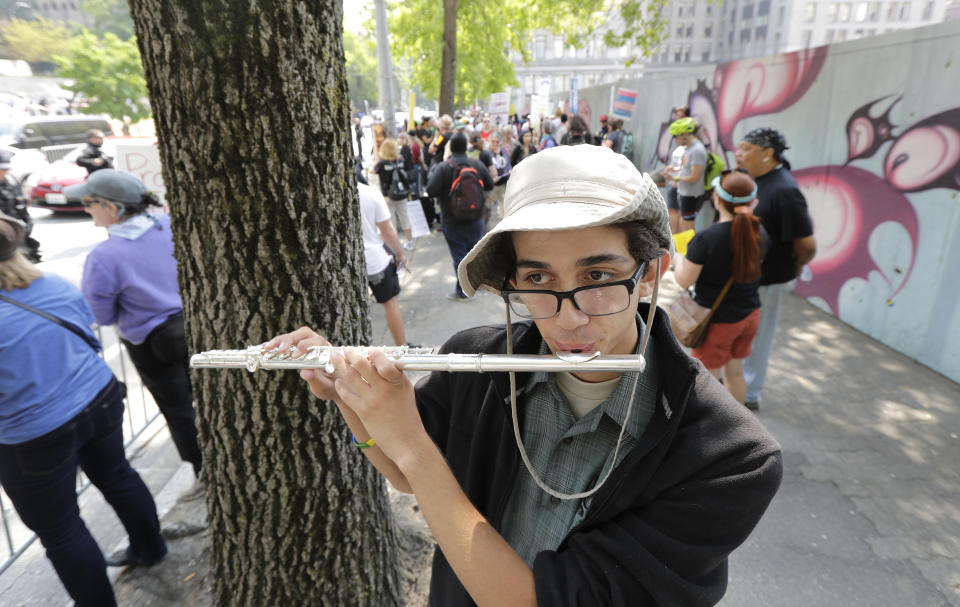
(568, 454)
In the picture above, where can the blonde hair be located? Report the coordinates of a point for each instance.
(389, 149)
(17, 273)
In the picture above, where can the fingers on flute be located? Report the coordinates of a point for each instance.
(301, 339)
(320, 384)
(386, 368)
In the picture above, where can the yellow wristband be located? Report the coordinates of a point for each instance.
(364, 445)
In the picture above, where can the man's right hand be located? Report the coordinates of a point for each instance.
(303, 338)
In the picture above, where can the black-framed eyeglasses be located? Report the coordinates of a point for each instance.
(594, 300)
(87, 201)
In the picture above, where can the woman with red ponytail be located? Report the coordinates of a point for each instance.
(732, 247)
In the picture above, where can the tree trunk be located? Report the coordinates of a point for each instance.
(448, 61)
(252, 115)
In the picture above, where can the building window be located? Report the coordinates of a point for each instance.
(844, 12)
(807, 37)
(875, 10)
(689, 31)
(828, 36)
(832, 12)
(763, 8)
(860, 13)
(679, 31)
(705, 56)
(891, 11)
(678, 56)
(927, 11)
(841, 35)
(904, 11)
(781, 15)
(686, 54)
(708, 30)
(810, 11)
(748, 11)
(744, 36)
(539, 47)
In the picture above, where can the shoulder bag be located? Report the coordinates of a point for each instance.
(56, 319)
(689, 320)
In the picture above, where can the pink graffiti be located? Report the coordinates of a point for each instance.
(866, 133)
(860, 137)
(751, 87)
(927, 155)
(847, 204)
(702, 109)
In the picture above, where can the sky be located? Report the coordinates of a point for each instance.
(355, 12)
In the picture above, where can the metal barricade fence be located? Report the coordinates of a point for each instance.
(57, 152)
(141, 411)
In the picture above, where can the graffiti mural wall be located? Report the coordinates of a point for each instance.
(874, 134)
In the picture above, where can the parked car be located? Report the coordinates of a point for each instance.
(41, 131)
(47, 193)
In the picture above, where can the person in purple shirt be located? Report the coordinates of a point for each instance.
(130, 280)
(61, 408)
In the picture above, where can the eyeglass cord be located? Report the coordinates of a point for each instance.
(623, 427)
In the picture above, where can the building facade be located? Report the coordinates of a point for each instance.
(700, 32)
(64, 11)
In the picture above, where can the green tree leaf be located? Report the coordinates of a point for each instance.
(35, 41)
(109, 16)
(361, 57)
(108, 72)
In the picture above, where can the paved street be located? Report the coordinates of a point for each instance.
(869, 510)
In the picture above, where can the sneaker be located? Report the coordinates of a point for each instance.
(410, 245)
(126, 558)
(413, 345)
(753, 405)
(457, 297)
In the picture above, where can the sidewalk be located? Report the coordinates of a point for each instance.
(869, 510)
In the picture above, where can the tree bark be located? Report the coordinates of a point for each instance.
(448, 60)
(252, 115)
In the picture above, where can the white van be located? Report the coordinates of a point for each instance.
(41, 131)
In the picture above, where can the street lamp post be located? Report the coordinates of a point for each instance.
(385, 69)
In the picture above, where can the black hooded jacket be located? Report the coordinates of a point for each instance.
(661, 528)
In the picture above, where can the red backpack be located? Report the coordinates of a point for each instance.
(466, 193)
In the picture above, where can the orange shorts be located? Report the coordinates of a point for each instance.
(727, 340)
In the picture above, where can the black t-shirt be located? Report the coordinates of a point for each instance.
(384, 170)
(783, 210)
(712, 249)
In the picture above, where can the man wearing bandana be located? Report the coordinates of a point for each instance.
(783, 211)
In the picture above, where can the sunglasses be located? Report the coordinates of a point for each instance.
(88, 201)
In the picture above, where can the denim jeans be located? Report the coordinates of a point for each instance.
(460, 239)
(40, 478)
(163, 362)
(755, 365)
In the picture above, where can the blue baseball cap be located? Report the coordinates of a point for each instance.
(111, 184)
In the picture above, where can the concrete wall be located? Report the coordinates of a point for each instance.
(874, 131)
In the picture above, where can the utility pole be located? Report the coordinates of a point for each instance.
(387, 98)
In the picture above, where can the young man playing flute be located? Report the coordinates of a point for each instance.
(580, 488)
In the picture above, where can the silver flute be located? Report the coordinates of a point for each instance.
(417, 359)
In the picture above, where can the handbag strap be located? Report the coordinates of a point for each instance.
(56, 319)
(723, 293)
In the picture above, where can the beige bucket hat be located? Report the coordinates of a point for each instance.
(564, 188)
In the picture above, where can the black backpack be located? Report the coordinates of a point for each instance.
(466, 193)
(399, 188)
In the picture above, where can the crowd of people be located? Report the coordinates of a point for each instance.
(756, 242)
(423, 164)
(513, 479)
